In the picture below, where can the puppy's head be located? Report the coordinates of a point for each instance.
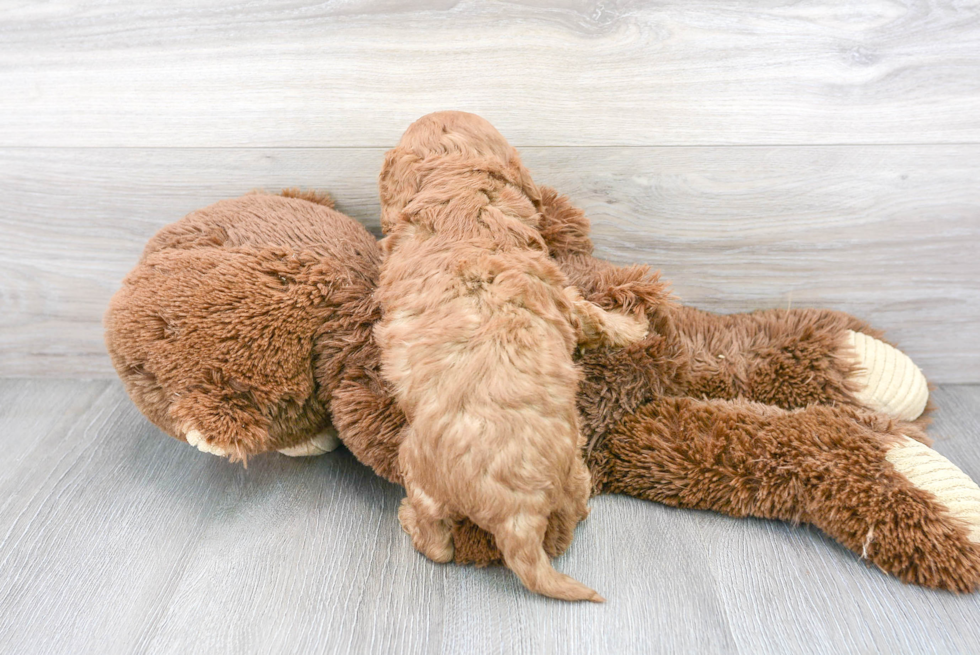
(442, 133)
(456, 132)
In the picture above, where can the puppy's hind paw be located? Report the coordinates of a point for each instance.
(598, 327)
(431, 537)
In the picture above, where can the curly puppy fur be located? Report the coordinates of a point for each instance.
(478, 330)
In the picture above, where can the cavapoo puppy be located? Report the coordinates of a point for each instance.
(477, 338)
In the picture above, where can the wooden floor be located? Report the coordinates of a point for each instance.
(117, 539)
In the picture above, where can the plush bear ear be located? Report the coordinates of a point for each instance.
(398, 183)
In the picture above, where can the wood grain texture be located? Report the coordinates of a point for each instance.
(115, 538)
(888, 233)
(547, 72)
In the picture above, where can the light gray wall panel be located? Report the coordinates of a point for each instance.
(889, 233)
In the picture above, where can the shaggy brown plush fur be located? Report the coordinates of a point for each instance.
(820, 465)
(666, 418)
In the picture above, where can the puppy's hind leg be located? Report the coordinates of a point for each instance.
(598, 327)
(421, 518)
(520, 539)
(572, 507)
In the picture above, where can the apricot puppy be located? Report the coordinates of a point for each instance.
(477, 338)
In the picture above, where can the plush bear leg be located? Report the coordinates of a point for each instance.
(885, 379)
(857, 476)
(793, 358)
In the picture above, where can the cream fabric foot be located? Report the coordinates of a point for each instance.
(888, 381)
(196, 439)
(324, 442)
(930, 471)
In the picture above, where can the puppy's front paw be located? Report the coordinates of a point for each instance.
(622, 330)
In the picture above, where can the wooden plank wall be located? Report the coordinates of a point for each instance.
(804, 153)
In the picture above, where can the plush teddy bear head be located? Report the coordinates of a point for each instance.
(215, 332)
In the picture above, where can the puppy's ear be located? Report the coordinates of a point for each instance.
(564, 226)
(527, 183)
(399, 182)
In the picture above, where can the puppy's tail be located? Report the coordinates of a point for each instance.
(524, 555)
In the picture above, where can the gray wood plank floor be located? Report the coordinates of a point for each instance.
(115, 538)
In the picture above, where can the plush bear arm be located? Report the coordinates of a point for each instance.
(794, 358)
(789, 358)
(856, 476)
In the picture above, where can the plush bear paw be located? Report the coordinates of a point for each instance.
(887, 380)
(199, 441)
(324, 442)
(929, 471)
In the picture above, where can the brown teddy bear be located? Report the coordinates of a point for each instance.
(247, 327)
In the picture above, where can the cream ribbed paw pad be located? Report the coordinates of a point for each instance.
(196, 439)
(324, 442)
(888, 381)
(930, 471)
